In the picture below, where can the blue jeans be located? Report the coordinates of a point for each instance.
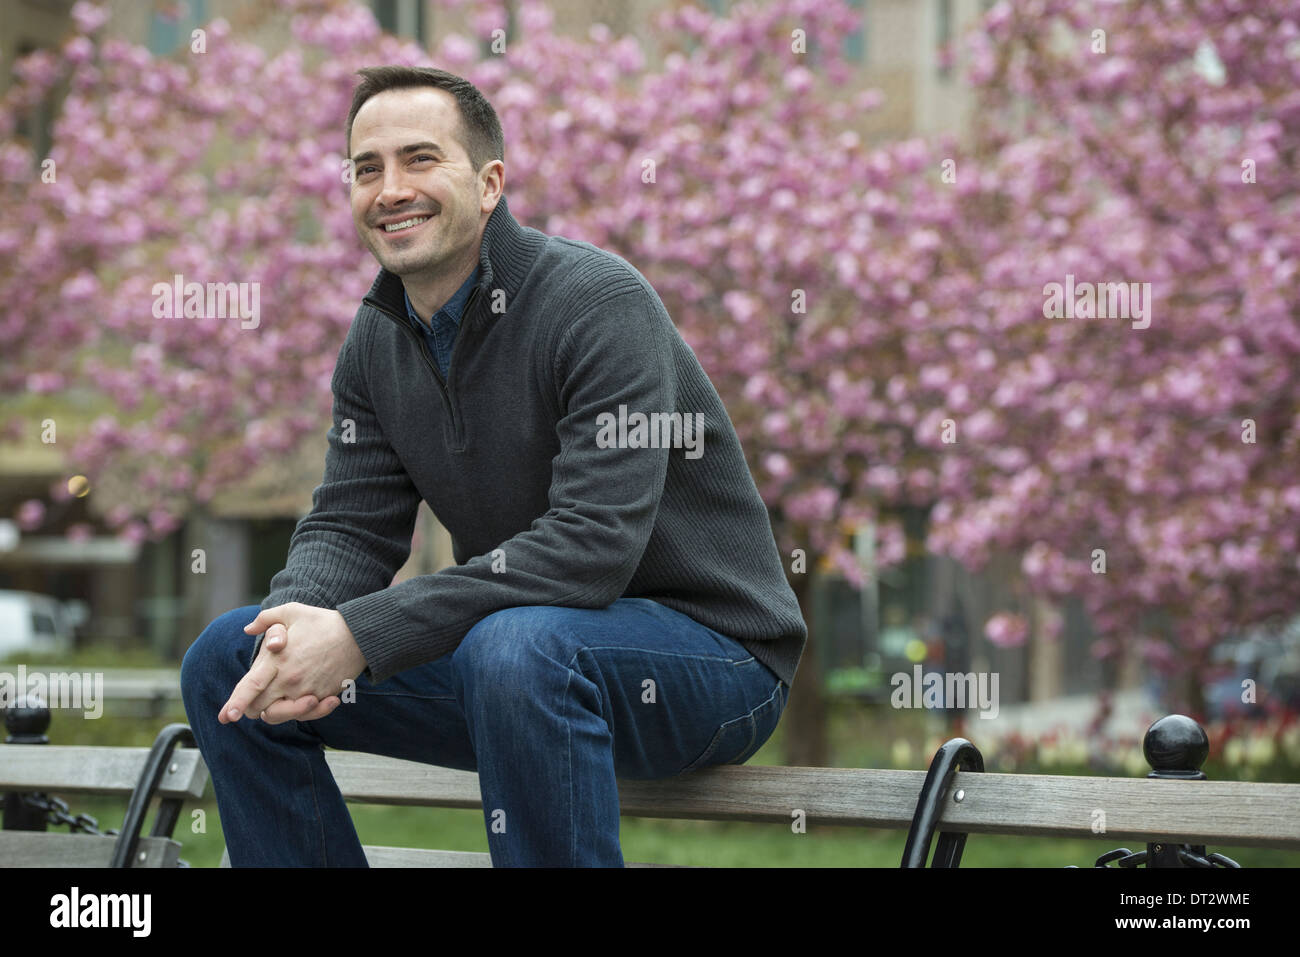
(548, 704)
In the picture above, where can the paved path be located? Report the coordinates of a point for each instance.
(1132, 714)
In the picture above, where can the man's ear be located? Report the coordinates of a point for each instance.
(494, 181)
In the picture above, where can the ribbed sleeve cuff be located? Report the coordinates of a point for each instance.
(385, 635)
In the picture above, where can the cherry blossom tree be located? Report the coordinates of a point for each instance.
(874, 318)
(1147, 464)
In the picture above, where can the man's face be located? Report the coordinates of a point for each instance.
(411, 164)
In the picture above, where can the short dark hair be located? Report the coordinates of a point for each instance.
(480, 128)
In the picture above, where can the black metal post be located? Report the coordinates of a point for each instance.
(155, 766)
(1175, 747)
(956, 754)
(27, 721)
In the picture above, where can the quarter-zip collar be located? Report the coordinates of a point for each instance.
(505, 258)
(452, 309)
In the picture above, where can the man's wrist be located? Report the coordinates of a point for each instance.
(363, 666)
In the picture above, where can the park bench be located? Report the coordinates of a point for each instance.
(29, 776)
(1175, 815)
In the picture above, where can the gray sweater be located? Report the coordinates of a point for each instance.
(528, 454)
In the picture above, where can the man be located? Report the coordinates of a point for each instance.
(618, 606)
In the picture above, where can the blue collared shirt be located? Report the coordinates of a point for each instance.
(441, 338)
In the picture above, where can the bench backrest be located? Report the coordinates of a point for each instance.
(1245, 814)
(62, 770)
(1227, 813)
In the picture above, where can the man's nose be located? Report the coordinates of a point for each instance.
(395, 192)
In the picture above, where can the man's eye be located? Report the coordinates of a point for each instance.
(363, 170)
(424, 156)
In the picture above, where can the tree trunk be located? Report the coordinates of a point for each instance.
(805, 718)
(1194, 687)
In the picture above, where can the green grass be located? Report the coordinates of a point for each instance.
(89, 658)
(700, 843)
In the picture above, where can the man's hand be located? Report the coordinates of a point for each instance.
(306, 708)
(307, 672)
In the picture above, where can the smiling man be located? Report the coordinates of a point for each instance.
(616, 610)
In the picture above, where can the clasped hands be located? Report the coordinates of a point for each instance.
(298, 680)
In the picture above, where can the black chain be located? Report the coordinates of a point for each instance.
(1209, 860)
(59, 814)
(1123, 857)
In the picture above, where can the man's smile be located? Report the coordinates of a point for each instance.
(404, 226)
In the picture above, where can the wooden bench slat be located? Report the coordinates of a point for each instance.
(60, 769)
(1240, 813)
(847, 796)
(380, 856)
(55, 849)
(833, 795)
(1230, 813)
(1248, 814)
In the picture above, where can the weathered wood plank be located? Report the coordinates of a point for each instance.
(55, 849)
(420, 857)
(379, 856)
(830, 796)
(374, 779)
(1246, 814)
(1140, 809)
(1216, 812)
(870, 798)
(61, 769)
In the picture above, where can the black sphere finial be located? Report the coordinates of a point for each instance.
(27, 720)
(1176, 746)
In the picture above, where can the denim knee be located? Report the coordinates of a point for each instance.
(214, 656)
(501, 648)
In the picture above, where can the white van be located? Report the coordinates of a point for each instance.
(34, 623)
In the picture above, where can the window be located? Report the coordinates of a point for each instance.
(36, 125)
(855, 41)
(943, 36)
(485, 42)
(402, 18)
(173, 25)
(268, 546)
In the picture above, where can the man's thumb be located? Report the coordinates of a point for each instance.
(277, 636)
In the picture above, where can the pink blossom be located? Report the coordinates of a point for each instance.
(1006, 630)
(30, 515)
